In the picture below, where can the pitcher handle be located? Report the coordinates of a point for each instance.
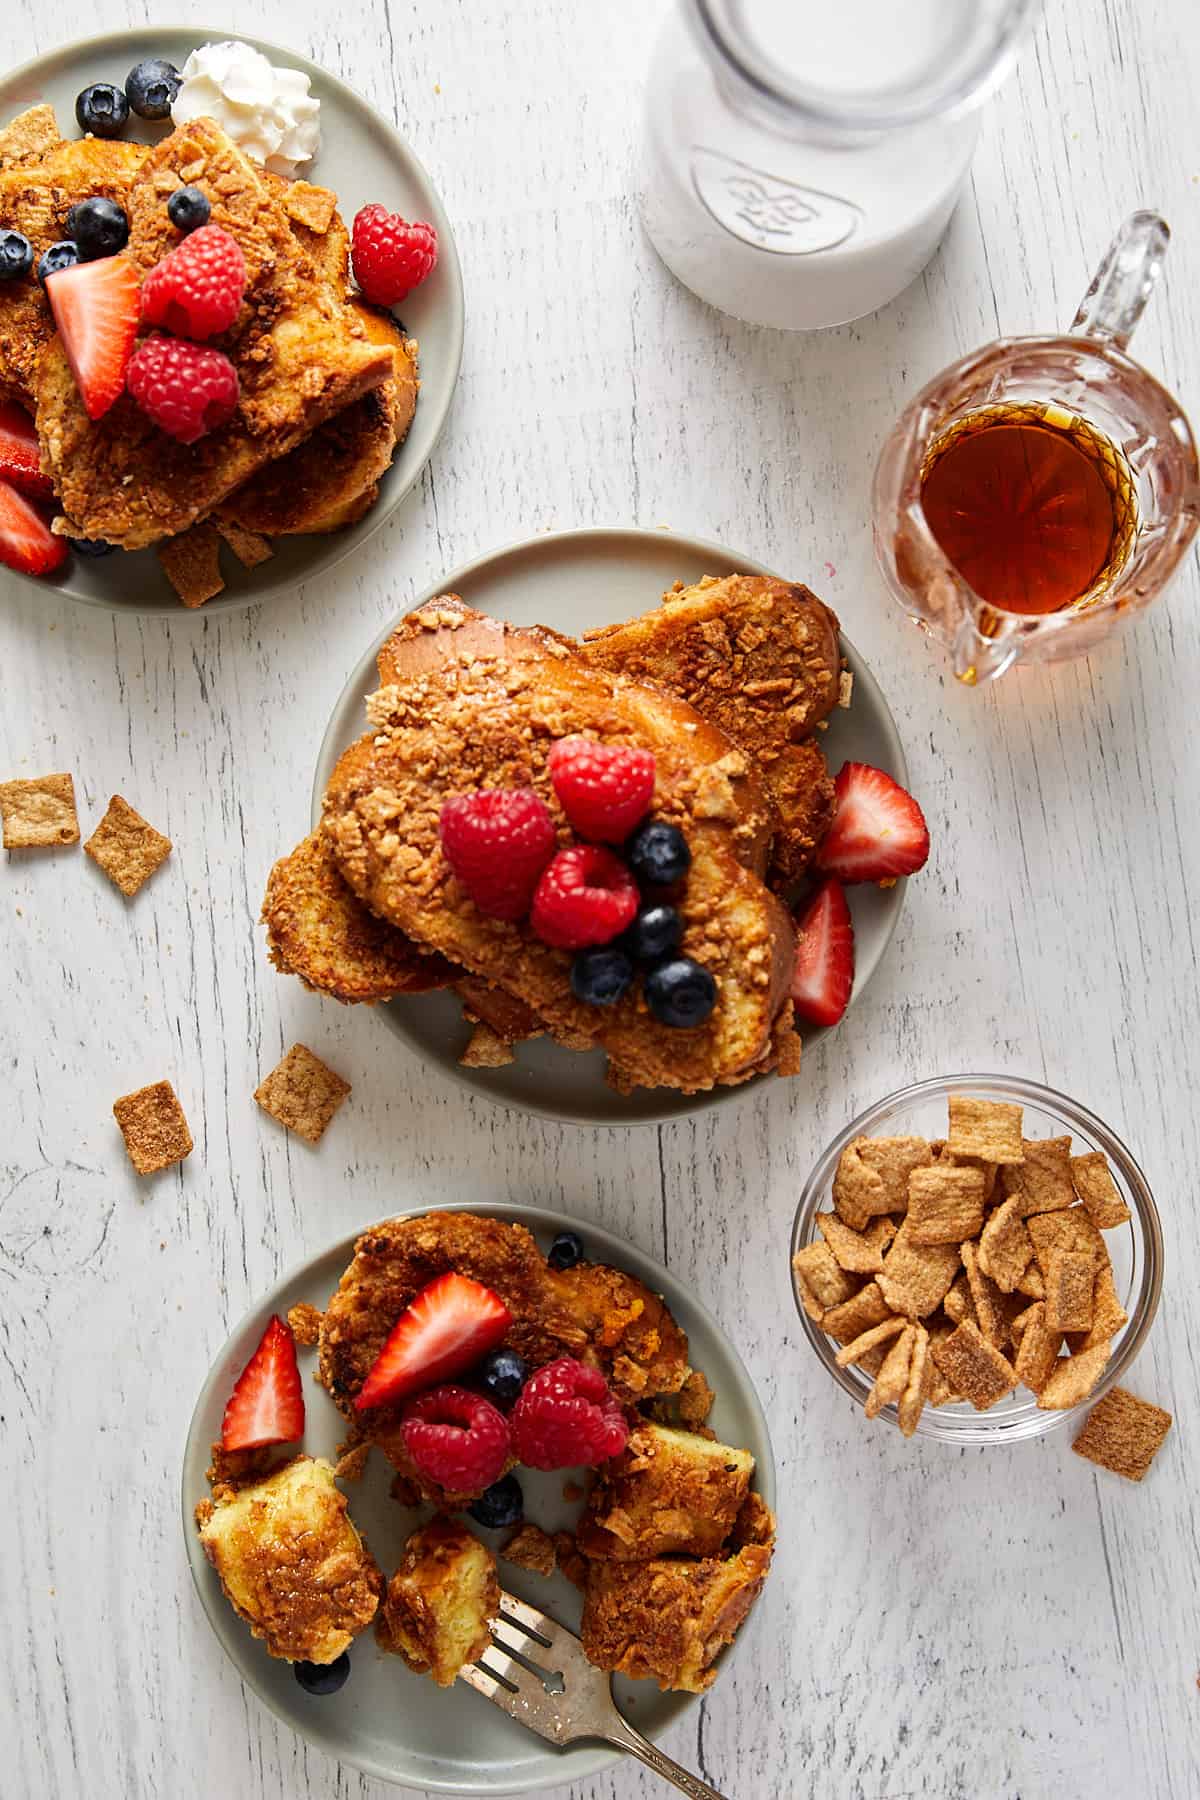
(1124, 281)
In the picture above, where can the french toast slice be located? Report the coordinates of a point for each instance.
(760, 658)
(300, 353)
(38, 188)
(332, 479)
(468, 702)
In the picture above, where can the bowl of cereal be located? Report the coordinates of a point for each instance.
(976, 1257)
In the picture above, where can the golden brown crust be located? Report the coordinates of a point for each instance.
(300, 356)
(668, 1491)
(665, 1620)
(438, 1604)
(471, 703)
(598, 1314)
(320, 931)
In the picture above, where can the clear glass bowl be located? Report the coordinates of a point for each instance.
(1136, 1248)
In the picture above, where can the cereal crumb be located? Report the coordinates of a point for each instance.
(305, 1322)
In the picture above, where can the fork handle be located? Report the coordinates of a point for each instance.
(626, 1738)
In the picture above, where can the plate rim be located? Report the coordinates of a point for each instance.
(448, 258)
(684, 1106)
(534, 1218)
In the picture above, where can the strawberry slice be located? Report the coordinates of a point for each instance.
(96, 307)
(824, 971)
(878, 830)
(26, 541)
(20, 459)
(267, 1405)
(450, 1325)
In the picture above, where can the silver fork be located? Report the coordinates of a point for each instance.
(537, 1672)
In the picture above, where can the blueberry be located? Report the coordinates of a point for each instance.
(151, 87)
(63, 255)
(599, 977)
(16, 255)
(658, 853)
(680, 992)
(323, 1678)
(501, 1504)
(102, 109)
(98, 226)
(91, 546)
(565, 1251)
(188, 208)
(654, 934)
(502, 1375)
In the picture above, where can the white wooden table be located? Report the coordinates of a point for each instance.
(995, 1624)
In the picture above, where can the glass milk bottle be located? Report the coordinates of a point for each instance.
(802, 158)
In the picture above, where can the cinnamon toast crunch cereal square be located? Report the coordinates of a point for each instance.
(893, 1159)
(1043, 1180)
(912, 1400)
(861, 1346)
(302, 1093)
(155, 1131)
(126, 847)
(858, 1314)
(1005, 1246)
(1098, 1191)
(945, 1204)
(860, 1252)
(1123, 1433)
(1037, 1349)
(892, 1378)
(990, 1129)
(1069, 1230)
(985, 1298)
(858, 1191)
(820, 1280)
(916, 1277)
(1108, 1315)
(39, 813)
(973, 1367)
(1073, 1378)
(1070, 1278)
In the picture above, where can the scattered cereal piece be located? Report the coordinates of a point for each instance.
(695, 1399)
(352, 1464)
(302, 1093)
(987, 1128)
(1005, 1246)
(192, 563)
(1070, 1230)
(973, 1367)
(1108, 1315)
(912, 1400)
(1037, 1348)
(155, 1131)
(1070, 1278)
(529, 1547)
(30, 136)
(126, 847)
(305, 1322)
(820, 1280)
(486, 1049)
(1043, 1180)
(916, 1276)
(945, 1205)
(1099, 1192)
(853, 1317)
(985, 1297)
(39, 813)
(1123, 1433)
(892, 1378)
(1073, 1379)
(878, 1334)
(311, 206)
(250, 547)
(860, 1252)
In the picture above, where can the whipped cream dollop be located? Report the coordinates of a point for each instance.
(268, 112)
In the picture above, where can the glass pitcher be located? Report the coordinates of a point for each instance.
(1081, 388)
(801, 159)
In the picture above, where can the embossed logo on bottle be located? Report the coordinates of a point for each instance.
(768, 212)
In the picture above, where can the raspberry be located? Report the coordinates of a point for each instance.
(457, 1439)
(498, 841)
(604, 789)
(184, 388)
(197, 289)
(586, 896)
(566, 1418)
(391, 257)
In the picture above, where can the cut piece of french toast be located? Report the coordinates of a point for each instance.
(759, 657)
(467, 703)
(301, 356)
(41, 177)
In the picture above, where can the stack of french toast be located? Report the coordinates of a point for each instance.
(728, 684)
(328, 384)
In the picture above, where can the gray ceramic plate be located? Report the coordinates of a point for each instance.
(574, 580)
(362, 158)
(386, 1721)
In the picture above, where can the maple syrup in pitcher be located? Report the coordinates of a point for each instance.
(1034, 507)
